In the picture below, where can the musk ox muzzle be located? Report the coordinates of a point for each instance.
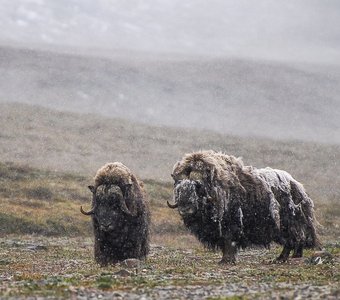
(187, 197)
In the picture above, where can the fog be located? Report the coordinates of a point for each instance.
(262, 68)
(305, 30)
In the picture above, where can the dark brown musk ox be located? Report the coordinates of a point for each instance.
(229, 206)
(120, 215)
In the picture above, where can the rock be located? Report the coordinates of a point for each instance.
(116, 294)
(320, 257)
(131, 263)
(34, 247)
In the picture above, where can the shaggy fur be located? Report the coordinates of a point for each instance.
(119, 233)
(113, 173)
(227, 205)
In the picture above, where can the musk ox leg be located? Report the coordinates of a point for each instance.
(298, 251)
(102, 254)
(98, 253)
(284, 254)
(100, 257)
(229, 251)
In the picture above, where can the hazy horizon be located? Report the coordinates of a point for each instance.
(303, 31)
(263, 69)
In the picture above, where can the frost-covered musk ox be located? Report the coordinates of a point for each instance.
(120, 215)
(228, 206)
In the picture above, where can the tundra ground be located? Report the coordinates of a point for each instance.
(46, 251)
(33, 267)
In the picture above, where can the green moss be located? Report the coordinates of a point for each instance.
(105, 282)
(39, 192)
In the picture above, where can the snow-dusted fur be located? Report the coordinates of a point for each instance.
(115, 172)
(227, 205)
(120, 215)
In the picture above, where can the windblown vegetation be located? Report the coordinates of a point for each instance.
(47, 203)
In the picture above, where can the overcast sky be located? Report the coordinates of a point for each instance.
(304, 30)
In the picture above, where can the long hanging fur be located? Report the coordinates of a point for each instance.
(128, 236)
(239, 205)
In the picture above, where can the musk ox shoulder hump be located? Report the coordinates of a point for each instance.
(207, 160)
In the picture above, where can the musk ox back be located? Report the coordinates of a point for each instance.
(120, 215)
(228, 206)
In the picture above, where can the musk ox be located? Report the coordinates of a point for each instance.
(228, 206)
(120, 215)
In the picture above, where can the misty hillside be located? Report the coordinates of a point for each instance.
(80, 144)
(230, 96)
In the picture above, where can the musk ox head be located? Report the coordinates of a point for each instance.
(193, 197)
(112, 192)
(109, 206)
(187, 197)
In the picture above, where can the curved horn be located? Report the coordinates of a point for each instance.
(172, 205)
(91, 212)
(126, 195)
(87, 213)
(124, 207)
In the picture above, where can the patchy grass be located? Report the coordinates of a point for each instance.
(47, 203)
(64, 267)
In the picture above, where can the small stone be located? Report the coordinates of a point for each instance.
(123, 273)
(130, 263)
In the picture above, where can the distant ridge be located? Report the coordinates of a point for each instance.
(80, 144)
(229, 96)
